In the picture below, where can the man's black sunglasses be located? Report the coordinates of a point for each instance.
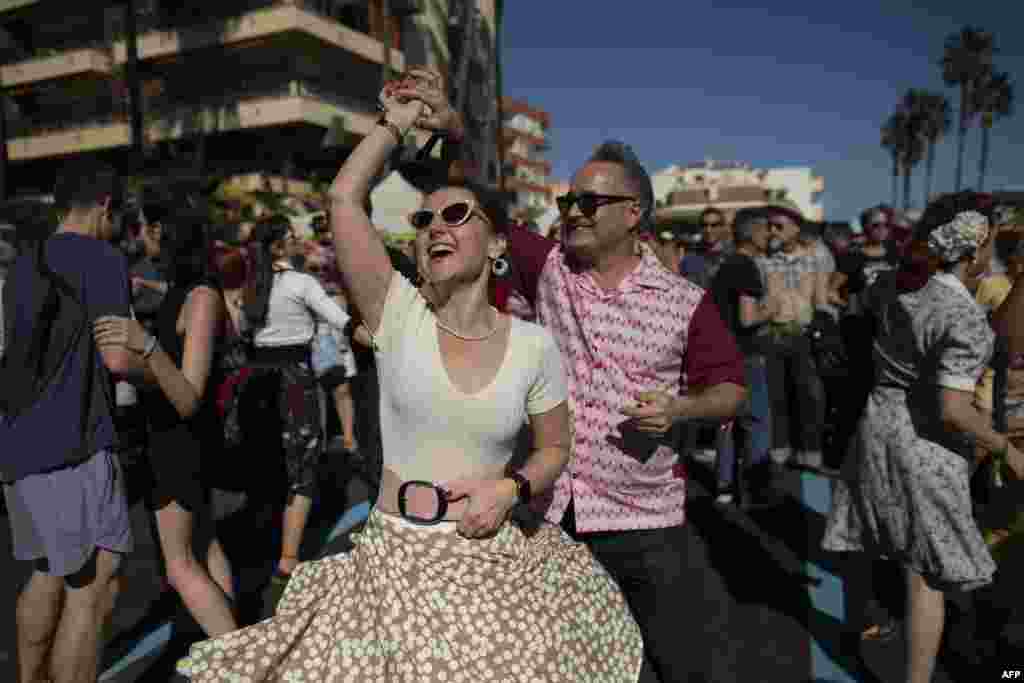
(589, 202)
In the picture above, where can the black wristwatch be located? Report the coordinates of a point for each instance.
(523, 490)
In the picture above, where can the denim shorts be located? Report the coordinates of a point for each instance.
(328, 354)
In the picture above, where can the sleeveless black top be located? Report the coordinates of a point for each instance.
(176, 444)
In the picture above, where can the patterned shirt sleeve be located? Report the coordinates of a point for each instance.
(712, 356)
(965, 351)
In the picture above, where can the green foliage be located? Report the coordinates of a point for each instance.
(993, 98)
(967, 56)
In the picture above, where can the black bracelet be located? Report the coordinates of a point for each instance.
(523, 489)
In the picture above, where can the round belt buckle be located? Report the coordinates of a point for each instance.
(442, 503)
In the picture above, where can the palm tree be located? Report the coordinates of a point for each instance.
(911, 153)
(934, 119)
(993, 100)
(967, 60)
(893, 134)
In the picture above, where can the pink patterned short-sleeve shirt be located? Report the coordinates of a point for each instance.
(616, 344)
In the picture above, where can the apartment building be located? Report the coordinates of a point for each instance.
(684, 190)
(524, 142)
(233, 87)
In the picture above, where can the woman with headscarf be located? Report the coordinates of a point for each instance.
(905, 490)
(441, 585)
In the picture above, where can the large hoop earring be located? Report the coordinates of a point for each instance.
(499, 266)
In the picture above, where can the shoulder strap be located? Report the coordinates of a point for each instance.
(27, 371)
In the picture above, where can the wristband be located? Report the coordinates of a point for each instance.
(523, 488)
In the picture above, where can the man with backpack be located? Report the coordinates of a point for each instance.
(62, 482)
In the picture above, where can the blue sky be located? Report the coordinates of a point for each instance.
(804, 83)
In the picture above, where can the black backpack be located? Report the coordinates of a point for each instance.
(27, 370)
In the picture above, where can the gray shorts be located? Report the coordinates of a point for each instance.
(65, 515)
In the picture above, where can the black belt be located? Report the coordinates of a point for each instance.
(280, 355)
(442, 503)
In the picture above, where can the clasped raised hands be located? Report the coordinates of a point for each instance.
(418, 99)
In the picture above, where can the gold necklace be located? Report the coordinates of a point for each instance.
(465, 337)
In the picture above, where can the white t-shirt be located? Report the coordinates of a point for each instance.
(433, 431)
(295, 299)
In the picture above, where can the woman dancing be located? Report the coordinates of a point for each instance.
(183, 430)
(440, 584)
(906, 493)
(280, 307)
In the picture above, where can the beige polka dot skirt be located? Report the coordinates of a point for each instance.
(411, 604)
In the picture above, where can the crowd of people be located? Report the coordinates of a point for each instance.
(527, 403)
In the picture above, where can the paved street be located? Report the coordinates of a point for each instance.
(784, 624)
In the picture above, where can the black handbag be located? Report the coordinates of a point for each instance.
(827, 346)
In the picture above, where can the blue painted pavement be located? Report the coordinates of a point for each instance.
(153, 642)
(826, 592)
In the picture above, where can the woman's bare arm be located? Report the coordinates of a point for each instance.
(185, 386)
(550, 452)
(362, 259)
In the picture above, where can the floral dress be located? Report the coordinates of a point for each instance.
(905, 490)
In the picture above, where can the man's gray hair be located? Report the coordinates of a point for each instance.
(616, 152)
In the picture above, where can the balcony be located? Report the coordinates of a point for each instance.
(526, 174)
(540, 166)
(294, 103)
(279, 19)
(516, 184)
(680, 197)
(744, 194)
(11, 5)
(80, 62)
(509, 135)
(513, 107)
(526, 125)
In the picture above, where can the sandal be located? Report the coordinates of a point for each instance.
(880, 633)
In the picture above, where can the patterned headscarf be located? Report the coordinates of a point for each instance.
(959, 238)
(1003, 215)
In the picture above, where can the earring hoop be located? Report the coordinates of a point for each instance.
(499, 266)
